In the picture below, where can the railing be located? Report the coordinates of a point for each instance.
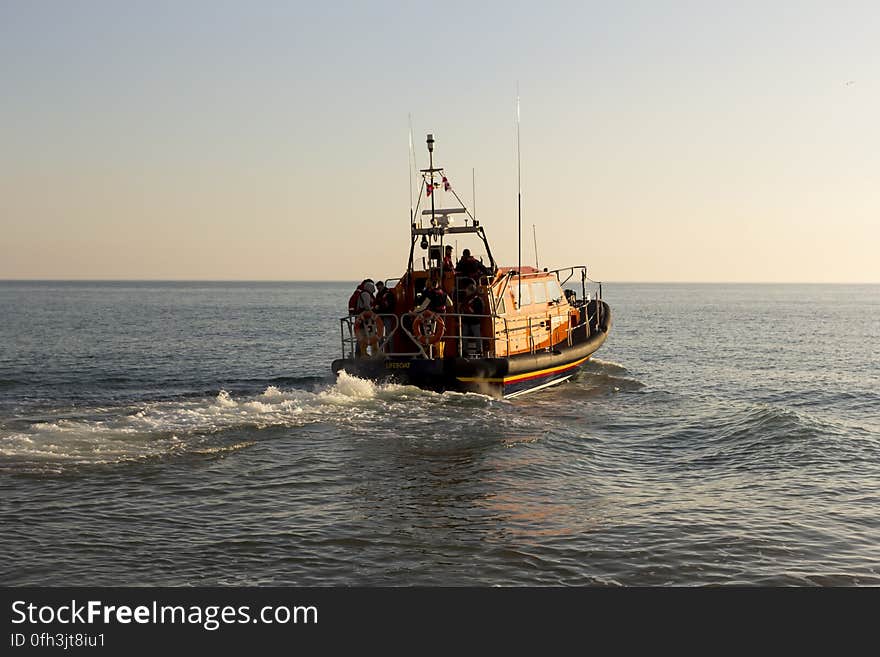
(570, 271)
(351, 346)
(504, 332)
(488, 345)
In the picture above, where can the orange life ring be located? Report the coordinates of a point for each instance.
(369, 328)
(431, 337)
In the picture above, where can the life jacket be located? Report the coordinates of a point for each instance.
(360, 305)
(353, 300)
(438, 300)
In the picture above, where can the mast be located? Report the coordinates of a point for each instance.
(440, 228)
(430, 141)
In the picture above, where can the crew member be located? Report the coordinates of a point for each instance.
(360, 300)
(385, 306)
(470, 325)
(469, 266)
(448, 265)
(364, 300)
(436, 300)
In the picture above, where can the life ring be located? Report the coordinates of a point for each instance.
(369, 329)
(423, 333)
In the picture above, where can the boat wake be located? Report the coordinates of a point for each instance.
(206, 425)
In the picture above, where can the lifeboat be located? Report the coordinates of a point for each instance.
(475, 326)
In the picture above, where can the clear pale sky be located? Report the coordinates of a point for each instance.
(661, 141)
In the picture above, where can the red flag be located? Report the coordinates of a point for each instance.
(428, 188)
(446, 185)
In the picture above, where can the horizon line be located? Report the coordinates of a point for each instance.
(342, 280)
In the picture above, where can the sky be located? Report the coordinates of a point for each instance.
(660, 141)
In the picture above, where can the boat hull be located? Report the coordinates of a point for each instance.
(499, 377)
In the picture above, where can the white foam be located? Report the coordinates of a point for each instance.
(83, 447)
(350, 387)
(224, 400)
(153, 429)
(157, 428)
(349, 390)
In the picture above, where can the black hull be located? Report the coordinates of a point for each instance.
(499, 377)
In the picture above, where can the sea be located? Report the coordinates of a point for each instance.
(192, 434)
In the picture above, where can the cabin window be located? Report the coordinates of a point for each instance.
(499, 306)
(526, 297)
(554, 292)
(539, 292)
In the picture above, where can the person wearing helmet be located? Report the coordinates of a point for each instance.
(362, 298)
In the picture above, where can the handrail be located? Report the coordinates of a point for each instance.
(415, 341)
(502, 332)
(571, 271)
(351, 340)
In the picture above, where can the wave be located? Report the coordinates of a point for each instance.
(605, 376)
(775, 424)
(767, 437)
(605, 366)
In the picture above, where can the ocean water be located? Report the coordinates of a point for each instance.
(192, 434)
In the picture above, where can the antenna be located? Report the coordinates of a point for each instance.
(518, 203)
(410, 159)
(474, 193)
